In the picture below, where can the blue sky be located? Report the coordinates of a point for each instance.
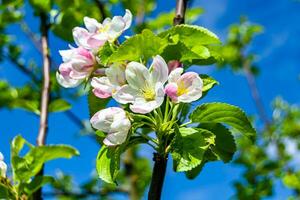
(279, 59)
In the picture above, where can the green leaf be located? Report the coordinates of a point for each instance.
(224, 146)
(191, 35)
(223, 113)
(28, 166)
(141, 46)
(105, 52)
(59, 105)
(208, 83)
(37, 183)
(6, 189)
(108, 163)
(188, 148)
(95, 104)
(193, 173)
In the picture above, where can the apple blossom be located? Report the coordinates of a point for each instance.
(108, 85)
(184, 88)
(96, 34)
(3, 166)
(78, 64)
(145, 88)
(114, 122)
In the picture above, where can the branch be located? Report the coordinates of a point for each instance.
(180, 12)
(255, 93)
(101, 8)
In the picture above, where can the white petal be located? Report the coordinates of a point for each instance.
(128, 19)
(159, 70)
(116, 74)
(3, 169)
(91, 24)
(103, 119)
(67, 82)
(126, 94)
(1, 156)
(115, 138)
(116, 27)
(175, 75)
(140, 105)
(137, 75)
(81, 36)
(66, 54)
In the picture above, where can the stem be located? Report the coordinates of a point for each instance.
(158, 176)
(180, 12)
(160, 158)
(255, 93)
(45, 98)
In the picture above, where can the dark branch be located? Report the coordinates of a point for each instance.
(180, 12)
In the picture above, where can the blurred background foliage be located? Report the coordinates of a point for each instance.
(272, 159)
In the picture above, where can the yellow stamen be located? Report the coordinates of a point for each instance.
(148, 93)
(181, 88)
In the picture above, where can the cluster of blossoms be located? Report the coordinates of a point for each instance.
(3, 166)
(144, 89)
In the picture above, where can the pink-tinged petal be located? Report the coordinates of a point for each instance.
(173, 64)
(116, 138)
(81, 36)
(125, 94)
(102, 87)
(171, 91)
(91, 24)
(96, 41)
(128, 19)
(66, 81)
(188, 78)
(159, 69)
(194, 89)
(86, 54)
(141, 106)
(175, 75)
(137, 75)
(100, 72)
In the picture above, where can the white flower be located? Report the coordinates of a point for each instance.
(145, 88)
(184, 88)
(78, 64)
(108, 85)
(96, 34)
(3, 166)
(114, 122)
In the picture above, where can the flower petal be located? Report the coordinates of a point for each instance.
(66, 81)
(128, 19)
(102, 87)
(171, 91)
(175, 75)
(159, 69)
(126, 94)
(103, 119)
(137, 75)
(115, 138)
(116, 74)
(194, 88)
(91, 24)
(81, 36)
(116, 27)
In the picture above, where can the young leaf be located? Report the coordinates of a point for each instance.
(104, 53)
(191, 35)
(224, 147)
(223, 113)
(37, 183)
(108, 163)
(141, 46)
(59, 105)
(188, 148)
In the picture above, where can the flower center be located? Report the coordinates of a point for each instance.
(181, 89)
(148, 93)
(104, 29)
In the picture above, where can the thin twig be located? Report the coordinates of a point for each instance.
(180, 12)
(101, 8)
(255, 93)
